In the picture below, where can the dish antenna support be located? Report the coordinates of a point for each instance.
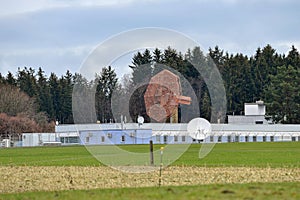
(199, 128)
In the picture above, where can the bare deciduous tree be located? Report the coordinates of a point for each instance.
(18, 113)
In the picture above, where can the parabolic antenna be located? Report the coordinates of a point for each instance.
(199, 128)
(140, 119)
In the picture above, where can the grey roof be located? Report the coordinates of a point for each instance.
(80, 127)
(257, 127)
(153, 126)
(181, 127)
(160, 126)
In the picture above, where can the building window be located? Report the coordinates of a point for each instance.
(123, 138)
(272, 138)
(165, 139)
(298, 138)
(254, 138)
(175, 138)
(219, 138)
(247, 138)
(259, 122)
(228, 138)
(102, 139)
(132, 134)
(237, 138)
(72, 140)
(211, 138)
(157, 138)
(264, 138)
(87, 139)
(293, 139)
(183, 138)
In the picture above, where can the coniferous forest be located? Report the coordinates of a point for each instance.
(32, 101)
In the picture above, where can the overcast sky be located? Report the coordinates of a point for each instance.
(58, 35)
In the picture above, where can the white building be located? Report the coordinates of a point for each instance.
(251, 127)
(105, 134)
(39, 139)
(254, 114)
(177, 133)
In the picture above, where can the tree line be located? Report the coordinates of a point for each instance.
(42, 100)
(267, 75)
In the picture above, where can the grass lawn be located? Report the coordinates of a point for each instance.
(277, 154)
(47, 156)
(263, 191)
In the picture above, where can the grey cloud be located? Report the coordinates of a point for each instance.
(236, 26)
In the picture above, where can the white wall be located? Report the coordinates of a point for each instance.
(37, 139)
(254, 109)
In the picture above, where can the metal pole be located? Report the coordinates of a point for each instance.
(151, 153)
(160, 166)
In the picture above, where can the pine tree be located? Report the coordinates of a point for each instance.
(157, 56)
(282, 95)
(141, 67)
(141, 75)
(237, 75)
(106, 85)
(10, 79)
(26, 81)
(293, 58)
(2, 79)
(55, 96)
(205, 110)
(83, 100)
(173, 59)
(218, 57)
(264, 63)
(66, 88)
(43, 94)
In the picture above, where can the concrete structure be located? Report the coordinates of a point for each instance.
(39, 139)
(117, 136)
(252, 127)
(255, 133)
(93, 134)
(254, 114)
(255, 109)
(161, 133)
(6, 143)
(68, 138)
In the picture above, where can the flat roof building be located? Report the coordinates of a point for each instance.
(254, 114)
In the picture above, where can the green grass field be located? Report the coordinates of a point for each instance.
(262, 191)
(284, 154)
(275, 155)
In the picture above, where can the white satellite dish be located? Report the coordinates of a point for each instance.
(140, 119)
(199, 128)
